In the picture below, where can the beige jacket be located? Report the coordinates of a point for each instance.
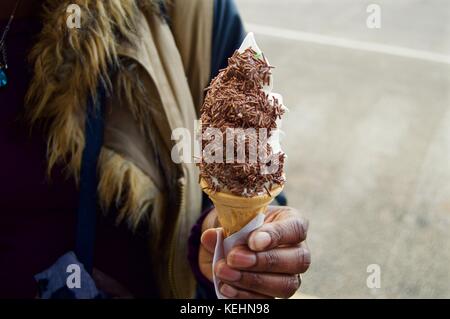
(155, 73)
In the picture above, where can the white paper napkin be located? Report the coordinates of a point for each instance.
(223, 247)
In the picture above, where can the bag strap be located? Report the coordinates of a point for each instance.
(87, 206)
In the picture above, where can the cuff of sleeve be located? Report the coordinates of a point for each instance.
(205, 286)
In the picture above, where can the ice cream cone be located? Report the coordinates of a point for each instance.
(234, 212)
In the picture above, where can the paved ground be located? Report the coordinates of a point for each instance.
(368, 140)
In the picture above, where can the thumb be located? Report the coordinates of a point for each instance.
(209, 239)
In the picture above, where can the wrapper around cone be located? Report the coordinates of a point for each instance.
(234, 212)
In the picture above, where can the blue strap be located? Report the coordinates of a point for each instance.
(87, 210)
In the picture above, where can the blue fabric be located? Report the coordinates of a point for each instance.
(53, 282)
(228, 34)
(87, 210)
(281, 199)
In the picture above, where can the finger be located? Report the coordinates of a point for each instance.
(287, 260)
(232, 292)
(208, 240)
(274, 285)
(206, 252)
(289, 231)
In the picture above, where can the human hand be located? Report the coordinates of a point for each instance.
(269, 266)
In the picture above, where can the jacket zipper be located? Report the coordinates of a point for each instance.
(172, 281)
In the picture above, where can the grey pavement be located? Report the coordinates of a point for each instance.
(368, 143)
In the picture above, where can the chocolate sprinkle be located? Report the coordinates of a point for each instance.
(235, 99)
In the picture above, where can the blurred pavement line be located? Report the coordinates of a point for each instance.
(296, 35)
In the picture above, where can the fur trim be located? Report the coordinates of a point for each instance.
(68, 66)
(126, 186)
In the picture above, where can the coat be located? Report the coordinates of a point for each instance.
(152, 60)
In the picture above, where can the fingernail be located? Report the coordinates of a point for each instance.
(226, 273)
(307, 256)
(228, 291)
(241, 259)
(260, 241)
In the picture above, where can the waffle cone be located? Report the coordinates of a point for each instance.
(234, 212)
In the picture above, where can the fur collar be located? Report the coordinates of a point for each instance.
(68, 66)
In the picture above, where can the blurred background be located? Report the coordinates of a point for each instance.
(367, 138)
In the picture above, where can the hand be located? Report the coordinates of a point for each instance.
(269, 265)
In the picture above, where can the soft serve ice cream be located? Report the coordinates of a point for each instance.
(240, 97)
